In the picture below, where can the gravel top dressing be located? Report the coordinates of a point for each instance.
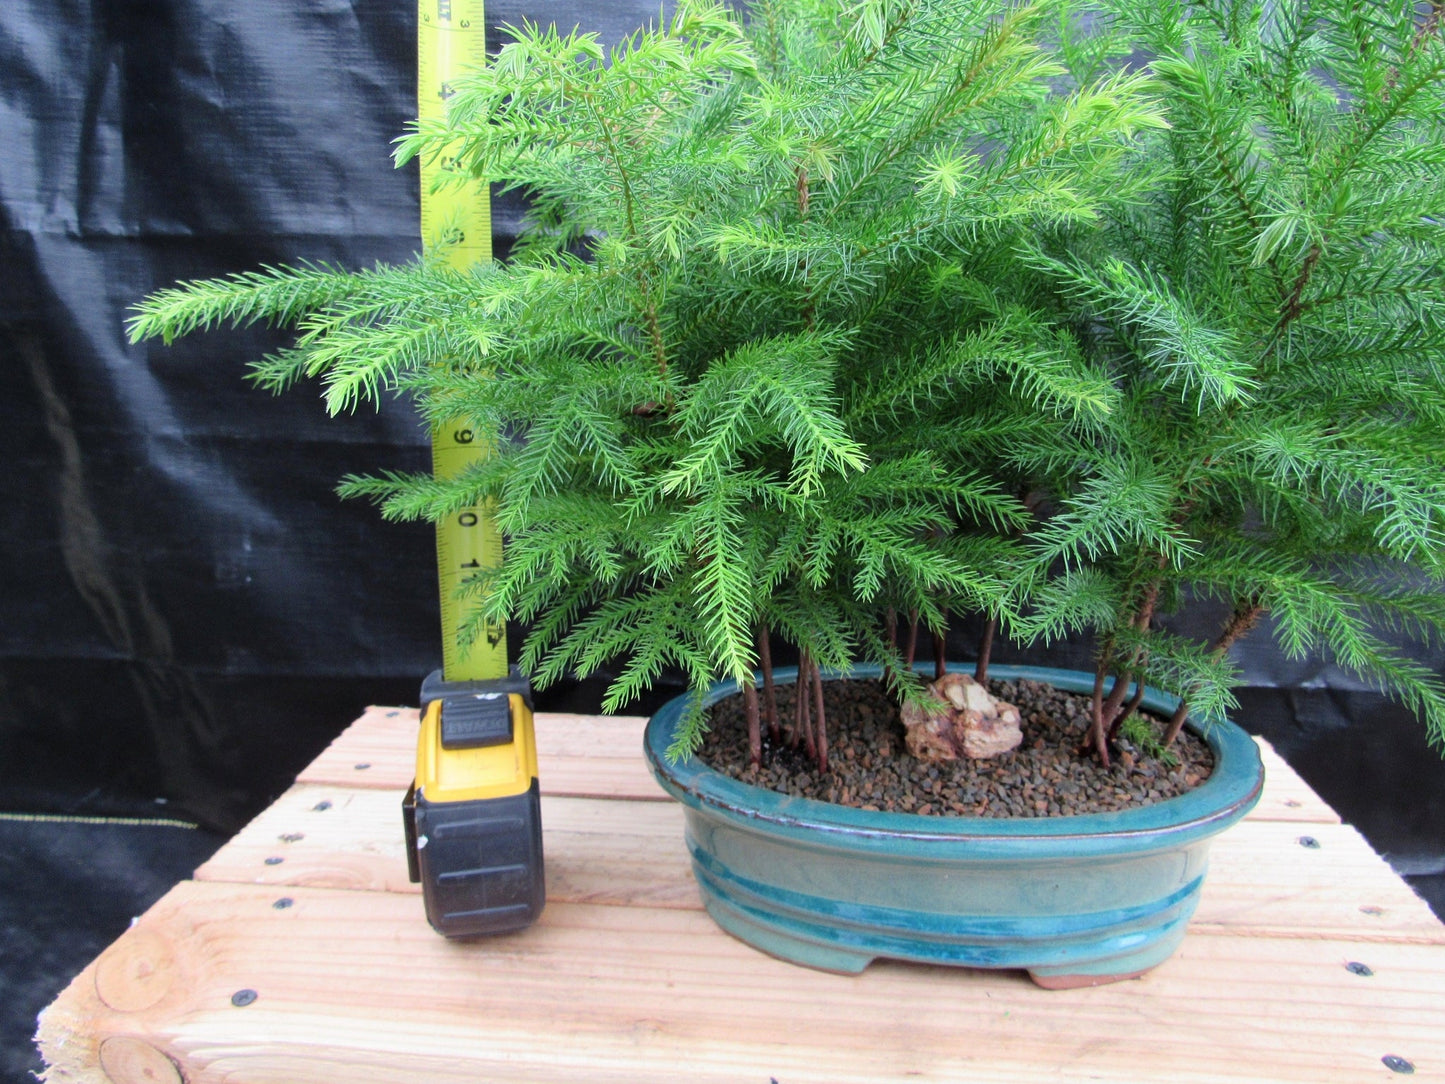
(869, 767)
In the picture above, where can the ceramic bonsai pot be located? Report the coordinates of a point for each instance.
(1075, 901)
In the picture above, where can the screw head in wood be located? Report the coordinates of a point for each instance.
(283, 903)
(321, 806)
(1309, 843)
(275, 860)
(1354, 967)
(242, 998)
(1397, 1064)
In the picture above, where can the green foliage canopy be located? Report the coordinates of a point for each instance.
(808, 303)
(757, 252)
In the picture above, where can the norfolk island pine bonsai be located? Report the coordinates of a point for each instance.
(827, 326)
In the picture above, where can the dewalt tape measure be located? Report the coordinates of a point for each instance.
(472, 817)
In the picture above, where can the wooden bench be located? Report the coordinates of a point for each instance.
(299, 955)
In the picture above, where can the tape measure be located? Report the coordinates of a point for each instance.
(472, 816)
(452, 37)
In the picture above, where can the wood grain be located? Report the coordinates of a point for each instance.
(1262, 881)
(596, 850)
(351, 985)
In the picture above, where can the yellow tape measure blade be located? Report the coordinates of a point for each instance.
(451, 37)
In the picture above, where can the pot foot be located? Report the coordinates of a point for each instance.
(1050, 980)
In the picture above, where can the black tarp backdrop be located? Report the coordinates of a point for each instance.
(188, 611)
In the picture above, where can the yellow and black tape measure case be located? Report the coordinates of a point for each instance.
(473, 815)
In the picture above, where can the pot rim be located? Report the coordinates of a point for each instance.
(1231, 790)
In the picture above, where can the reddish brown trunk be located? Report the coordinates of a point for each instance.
(1097, 739)
(1111, 706)
(940, 649)
(985, 649)
(770, 699)
(1176, 722)
(1246, 615)
(912, 648)
(804, 715)
(890, 627)
(795, 735)
(821, 722)
(1129, 709)
(1108, 713)
(755, 733)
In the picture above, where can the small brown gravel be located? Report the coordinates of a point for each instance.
(870, 768)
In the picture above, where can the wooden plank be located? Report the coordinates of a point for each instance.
(1286, 796)
(591, 755)
(597, 850)
(601, 756)
(1265, 881)
(349, 986)
(1262, 882)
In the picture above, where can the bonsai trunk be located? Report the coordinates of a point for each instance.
(755, 736)
(985, 649)
(802, 716)
(770, 699)
(1108, 713)
(821, 720)
(940, 649)
(1096, 737)
(1129, 709)
(1246, 615)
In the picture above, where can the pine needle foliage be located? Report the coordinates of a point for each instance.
(768, 270)
(1271, 317)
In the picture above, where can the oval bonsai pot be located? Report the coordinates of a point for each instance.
(1076, 901)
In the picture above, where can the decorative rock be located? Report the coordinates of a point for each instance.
(962, 718)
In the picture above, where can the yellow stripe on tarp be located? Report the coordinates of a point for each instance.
(70, 818)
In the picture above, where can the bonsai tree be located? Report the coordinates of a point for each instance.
(768, 265)
(1272, 317)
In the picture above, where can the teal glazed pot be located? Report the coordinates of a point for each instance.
(1076, 901)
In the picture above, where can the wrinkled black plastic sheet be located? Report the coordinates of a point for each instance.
(186, 610)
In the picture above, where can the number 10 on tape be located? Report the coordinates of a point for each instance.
(468, 543)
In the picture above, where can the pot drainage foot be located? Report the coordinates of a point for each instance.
(1113, 968)
(1051, 980)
